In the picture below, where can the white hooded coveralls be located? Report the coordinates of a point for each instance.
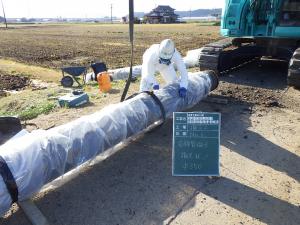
(151, 65)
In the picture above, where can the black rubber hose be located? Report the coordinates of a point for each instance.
(131, 30)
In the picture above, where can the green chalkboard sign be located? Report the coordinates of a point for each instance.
(196, 144)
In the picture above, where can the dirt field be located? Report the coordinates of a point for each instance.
(58, 45)
(27, 50)
(260, 160)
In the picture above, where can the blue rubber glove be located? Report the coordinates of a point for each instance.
(156, 87)
(182, 92)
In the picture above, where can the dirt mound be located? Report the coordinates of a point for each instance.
(13, 82)
(259, 96)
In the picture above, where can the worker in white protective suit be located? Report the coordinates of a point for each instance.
(163, 58)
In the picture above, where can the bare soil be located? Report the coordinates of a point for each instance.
(264, 93)
(55, 46)
(13, 82)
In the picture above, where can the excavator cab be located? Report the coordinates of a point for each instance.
(261, 18)
(290, 13)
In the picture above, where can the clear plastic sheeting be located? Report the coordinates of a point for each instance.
(123, 73)
(192, 58)
(39, 157)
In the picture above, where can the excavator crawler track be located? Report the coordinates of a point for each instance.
(222, 56)
(210, 54)
(293, 78)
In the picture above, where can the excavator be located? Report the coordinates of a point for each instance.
(256, 29)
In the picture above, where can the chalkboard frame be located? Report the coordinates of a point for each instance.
(217, 174)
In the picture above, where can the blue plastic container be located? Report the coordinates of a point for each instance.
(73, 100)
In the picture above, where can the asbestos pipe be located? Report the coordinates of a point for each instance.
(38, 158)
(190, 60)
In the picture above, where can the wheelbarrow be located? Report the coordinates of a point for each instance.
(73, 74)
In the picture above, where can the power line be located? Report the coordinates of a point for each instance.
(111, 9)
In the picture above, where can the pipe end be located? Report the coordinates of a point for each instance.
(214, 79)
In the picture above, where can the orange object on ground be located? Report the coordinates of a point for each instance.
(103, 79)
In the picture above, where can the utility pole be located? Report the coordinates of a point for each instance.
(28, 9)
(4, 14)
(111, 9)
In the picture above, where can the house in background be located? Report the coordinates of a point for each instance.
(161, 14)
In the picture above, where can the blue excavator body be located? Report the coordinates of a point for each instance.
(261, 18)
(256, 29)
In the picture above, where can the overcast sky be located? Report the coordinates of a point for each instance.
(94, 8)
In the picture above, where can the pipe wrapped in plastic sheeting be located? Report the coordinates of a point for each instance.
(123, 73)
(190, 60)
(39, 157)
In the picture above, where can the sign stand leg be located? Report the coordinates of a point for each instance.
(33, 213)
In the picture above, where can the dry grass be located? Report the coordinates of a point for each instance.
(33, 72)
